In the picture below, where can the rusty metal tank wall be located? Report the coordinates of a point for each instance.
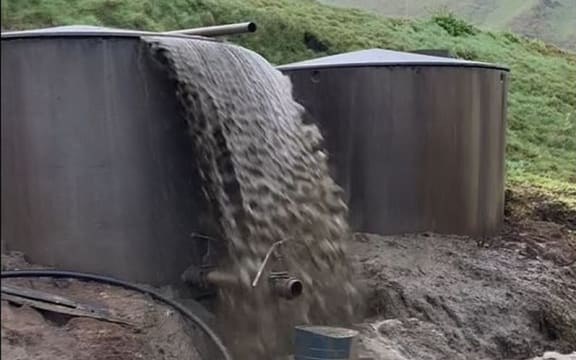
(416, 148)
(98, 173)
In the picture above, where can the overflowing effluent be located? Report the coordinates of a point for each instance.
(267, 178)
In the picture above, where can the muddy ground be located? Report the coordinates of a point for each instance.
(445, 297)
(433, 297)
(428, 296)
(147, 329)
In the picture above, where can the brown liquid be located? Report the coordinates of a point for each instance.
(268, 180)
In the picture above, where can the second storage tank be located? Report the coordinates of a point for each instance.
(417, 142)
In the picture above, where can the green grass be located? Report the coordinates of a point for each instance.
(551, 20)
(502, 12)
(542, 99)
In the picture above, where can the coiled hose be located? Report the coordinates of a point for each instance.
(127, 285)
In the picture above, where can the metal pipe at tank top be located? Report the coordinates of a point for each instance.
(219, 30)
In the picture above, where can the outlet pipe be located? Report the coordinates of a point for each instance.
(219, 30)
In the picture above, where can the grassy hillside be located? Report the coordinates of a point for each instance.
(542, 101)
(550, 20)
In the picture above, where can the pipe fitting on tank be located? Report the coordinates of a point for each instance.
(205, 276)
(281, 283)
(285, 286)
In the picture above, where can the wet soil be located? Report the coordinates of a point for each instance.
(148, 330)
(512, 296)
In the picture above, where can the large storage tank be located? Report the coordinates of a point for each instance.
(416, 141)
(98, 171)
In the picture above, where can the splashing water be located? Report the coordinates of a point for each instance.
(267, 178)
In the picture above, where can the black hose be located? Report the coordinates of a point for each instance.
(111, 281)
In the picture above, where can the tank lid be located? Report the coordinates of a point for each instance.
(381, 57)
(83, 31)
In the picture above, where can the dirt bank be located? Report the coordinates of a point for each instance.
(147, 330)
(511, 296)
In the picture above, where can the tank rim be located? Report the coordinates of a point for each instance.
(288, 67)
(91, 31)
(376, 57)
